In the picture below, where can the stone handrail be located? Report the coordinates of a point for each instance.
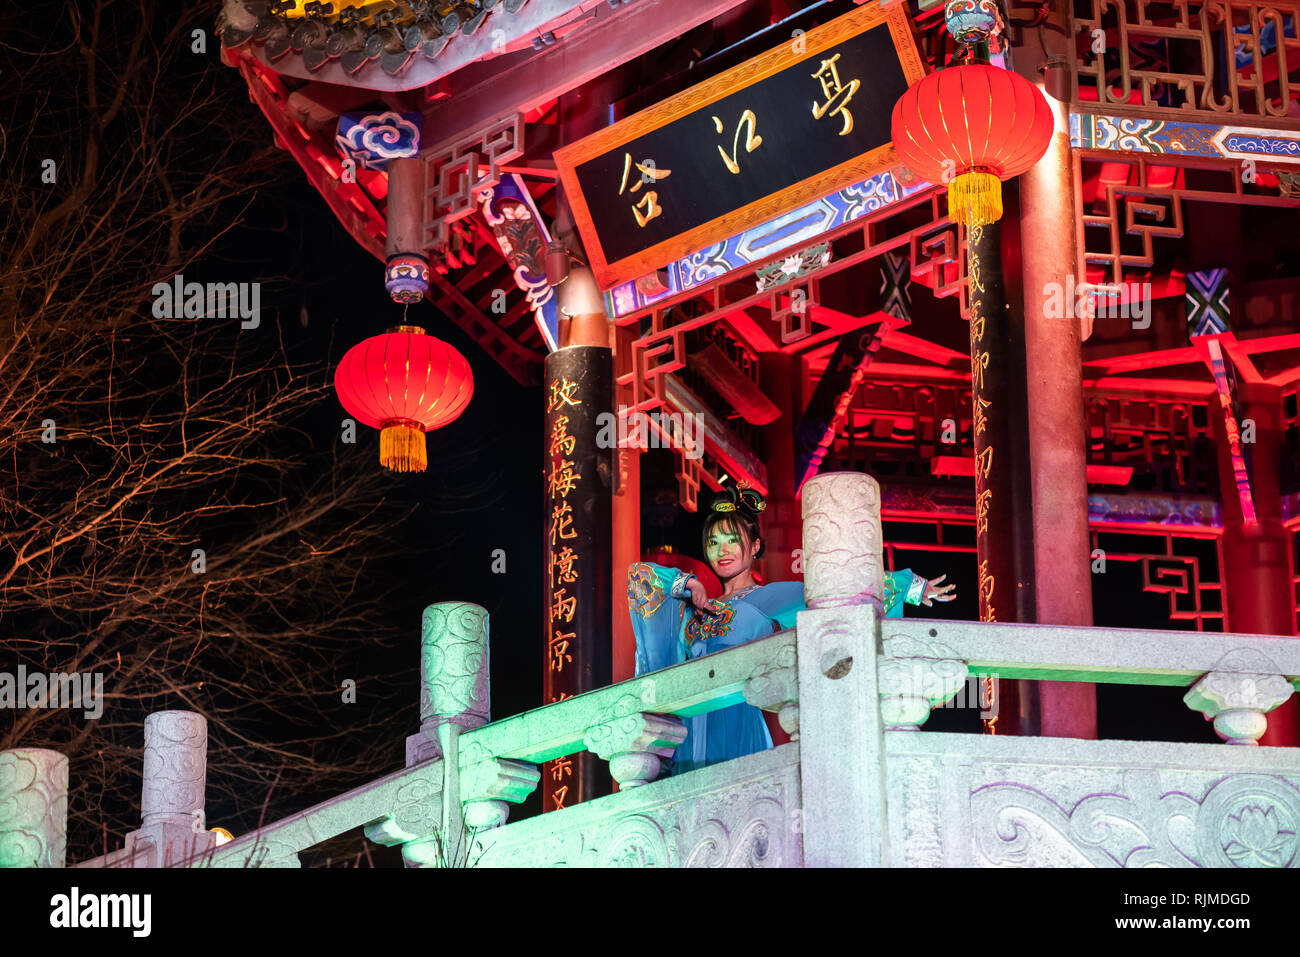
(691, 688)
(406, 806)
(1114, 655)
(845, 683)
(403, 797)
(1234, 679)
(403, 806)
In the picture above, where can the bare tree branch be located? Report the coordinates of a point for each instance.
(171, 435)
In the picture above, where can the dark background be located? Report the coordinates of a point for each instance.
(483, 487)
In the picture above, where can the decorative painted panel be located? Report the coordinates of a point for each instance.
(373, 139)
(790, 230)
(1139, 134)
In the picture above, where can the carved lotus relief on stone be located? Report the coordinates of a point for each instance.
(1242, 820)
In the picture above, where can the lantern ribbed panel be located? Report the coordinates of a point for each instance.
(978, 116)
(401, 375)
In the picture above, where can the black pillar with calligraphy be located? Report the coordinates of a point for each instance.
(1004, 532)
(578, 647)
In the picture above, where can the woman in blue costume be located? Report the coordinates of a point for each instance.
(674, 620)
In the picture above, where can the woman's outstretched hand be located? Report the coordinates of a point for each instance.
(934, 591)
(699, 597)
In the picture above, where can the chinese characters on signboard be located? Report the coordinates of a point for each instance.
(782, 129)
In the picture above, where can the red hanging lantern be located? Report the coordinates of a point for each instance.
(971, 126)
(404, 383)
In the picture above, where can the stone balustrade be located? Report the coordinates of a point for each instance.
(862, 783)
(33, 807)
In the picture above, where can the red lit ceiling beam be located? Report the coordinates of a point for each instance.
(481, 93)
(1150, 387)
(1140, 361)
(737, 389)
(1242, 351)
(350, 203)
(924, 349)
(964, 465)
(948, 363)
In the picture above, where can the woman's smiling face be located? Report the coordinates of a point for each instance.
(728, 550)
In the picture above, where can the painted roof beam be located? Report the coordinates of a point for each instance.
(610, 38)
(499, 33)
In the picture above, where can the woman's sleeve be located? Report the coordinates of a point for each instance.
(780, 601)
(656, 602)
(902, 587)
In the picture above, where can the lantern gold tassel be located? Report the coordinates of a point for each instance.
(401, 448)
(975, 198)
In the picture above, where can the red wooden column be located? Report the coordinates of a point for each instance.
(781, 378)
(626, 520)
(1256, 567)
(779, 374)
(1054, 371)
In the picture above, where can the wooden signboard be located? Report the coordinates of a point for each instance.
(765, 137)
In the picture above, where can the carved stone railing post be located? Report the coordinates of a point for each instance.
(915, 678)
(453, 674)
(1237, 695)
(173, 827)
(33, 808)
(633, 742)
(454, 698)
(842, 559)
(841, 742)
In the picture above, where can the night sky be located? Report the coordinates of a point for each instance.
(483, 487)
(482, 490)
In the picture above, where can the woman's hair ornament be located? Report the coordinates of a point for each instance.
(740, 497)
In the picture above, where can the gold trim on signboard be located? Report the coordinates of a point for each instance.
(569, 158)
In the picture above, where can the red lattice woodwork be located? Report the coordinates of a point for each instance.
(1194, 596)
(918, 224)
(456, 172)
(897, 428)
(1168, 442)
(1127, 196)
(1170, 567)
(1295, 575)
(1171, 56)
